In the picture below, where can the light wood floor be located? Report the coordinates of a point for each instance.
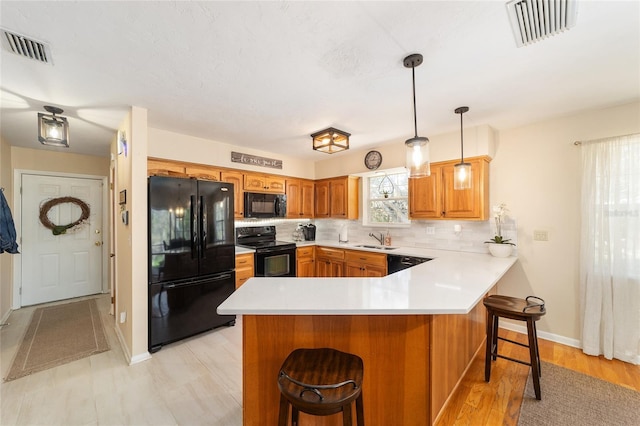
(478, 403)
(198, 382)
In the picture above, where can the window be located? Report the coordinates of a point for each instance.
(386, 199)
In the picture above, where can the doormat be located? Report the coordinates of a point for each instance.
(58, 335)
(572, 398)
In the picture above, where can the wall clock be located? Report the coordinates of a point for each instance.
(372, 160)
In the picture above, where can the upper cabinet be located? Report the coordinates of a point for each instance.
(156, 167)
(237, 179)
(337, 198)
(203, 172)
(434, 197)
(264, 183)
(300, 198)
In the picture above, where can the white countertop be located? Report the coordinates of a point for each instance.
(452, 283)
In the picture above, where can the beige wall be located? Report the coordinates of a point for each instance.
(175, 146)
(6, 276)
(131, 239)
(537, 172)
(37, 160)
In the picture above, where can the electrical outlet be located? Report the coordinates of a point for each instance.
(539, 235)
(123, 317)
(431, 230)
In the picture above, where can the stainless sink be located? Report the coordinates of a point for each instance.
(376, 247)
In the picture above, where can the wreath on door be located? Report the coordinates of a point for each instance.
(62, 229)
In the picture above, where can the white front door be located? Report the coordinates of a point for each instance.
(56, 267)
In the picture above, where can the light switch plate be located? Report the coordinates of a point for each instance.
(539, 235)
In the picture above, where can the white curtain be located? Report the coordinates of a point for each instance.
(610, 248)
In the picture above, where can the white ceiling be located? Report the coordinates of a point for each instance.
(266, 75)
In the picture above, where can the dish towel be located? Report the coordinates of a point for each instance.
(7, 228)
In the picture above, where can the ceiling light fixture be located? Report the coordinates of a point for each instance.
(330, 140)
(462, 170)
(417, 147)
(53, 130)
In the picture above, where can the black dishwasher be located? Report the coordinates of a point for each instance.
(397, 263)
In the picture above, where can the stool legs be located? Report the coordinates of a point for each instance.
(283, 412)
(535, 356)
(360, 410)
(489, 349)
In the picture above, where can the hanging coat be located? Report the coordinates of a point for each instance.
(7, 228)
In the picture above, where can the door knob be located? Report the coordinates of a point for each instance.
(98, 243)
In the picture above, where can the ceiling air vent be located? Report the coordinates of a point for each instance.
(26, 47)
(533, 20)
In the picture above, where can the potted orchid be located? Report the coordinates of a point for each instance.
(498, 245)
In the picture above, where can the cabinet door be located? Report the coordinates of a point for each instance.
(466, 203)
(338, 198)
(254, 183)
(337, 269)
(425, 200)
(305, 265)
(294, 198)
(323, 267)
(275, 184)
(164, 168)
(307, 197)
(375, 271)
(237, 179)
(353, 270)
(322, 199)
(207, 173)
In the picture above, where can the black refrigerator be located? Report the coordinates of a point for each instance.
(191, 257)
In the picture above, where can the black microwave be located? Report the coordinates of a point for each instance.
(264, 205)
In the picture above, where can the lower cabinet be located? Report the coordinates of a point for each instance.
(244, 268)
(329, 262)
(365, 264)
(305, 263)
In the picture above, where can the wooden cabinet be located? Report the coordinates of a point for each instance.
(264, 183)
(158, 167)
(203, 172)
(337, 198)
(329, 262)
(433, 197)
(244, 268)
(300, 198)
(365, 264)
(237, 179)
(305, 263)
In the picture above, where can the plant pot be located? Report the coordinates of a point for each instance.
(500, 250)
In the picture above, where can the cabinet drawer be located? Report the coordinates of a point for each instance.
(244, 273)
(330, 253)
(304, 251)
(363, 257)
(244, 260)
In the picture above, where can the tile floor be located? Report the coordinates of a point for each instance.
(197, 381)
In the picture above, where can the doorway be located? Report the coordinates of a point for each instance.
(57, 266)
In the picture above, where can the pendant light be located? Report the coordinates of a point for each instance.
(53, 130)
(417, 147)
(462, 170)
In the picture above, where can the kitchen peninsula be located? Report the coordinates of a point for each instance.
(416, 330)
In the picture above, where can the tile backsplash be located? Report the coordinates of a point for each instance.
(436, 234)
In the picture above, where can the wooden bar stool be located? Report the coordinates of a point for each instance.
(529, 310)
(320, 382)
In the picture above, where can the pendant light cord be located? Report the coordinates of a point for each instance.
(461, 140)
(415, 116)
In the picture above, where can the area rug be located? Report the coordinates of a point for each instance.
(572, 398)
(58, 335)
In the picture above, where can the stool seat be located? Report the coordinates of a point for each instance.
(530, 310)
(320, 382)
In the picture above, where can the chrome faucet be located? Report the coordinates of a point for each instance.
(380, 240)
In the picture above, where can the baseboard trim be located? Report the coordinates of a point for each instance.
(3, 321)
(543, 335)
(127, 353)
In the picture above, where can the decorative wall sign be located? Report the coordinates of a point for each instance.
(62, 229)
(254, 160)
